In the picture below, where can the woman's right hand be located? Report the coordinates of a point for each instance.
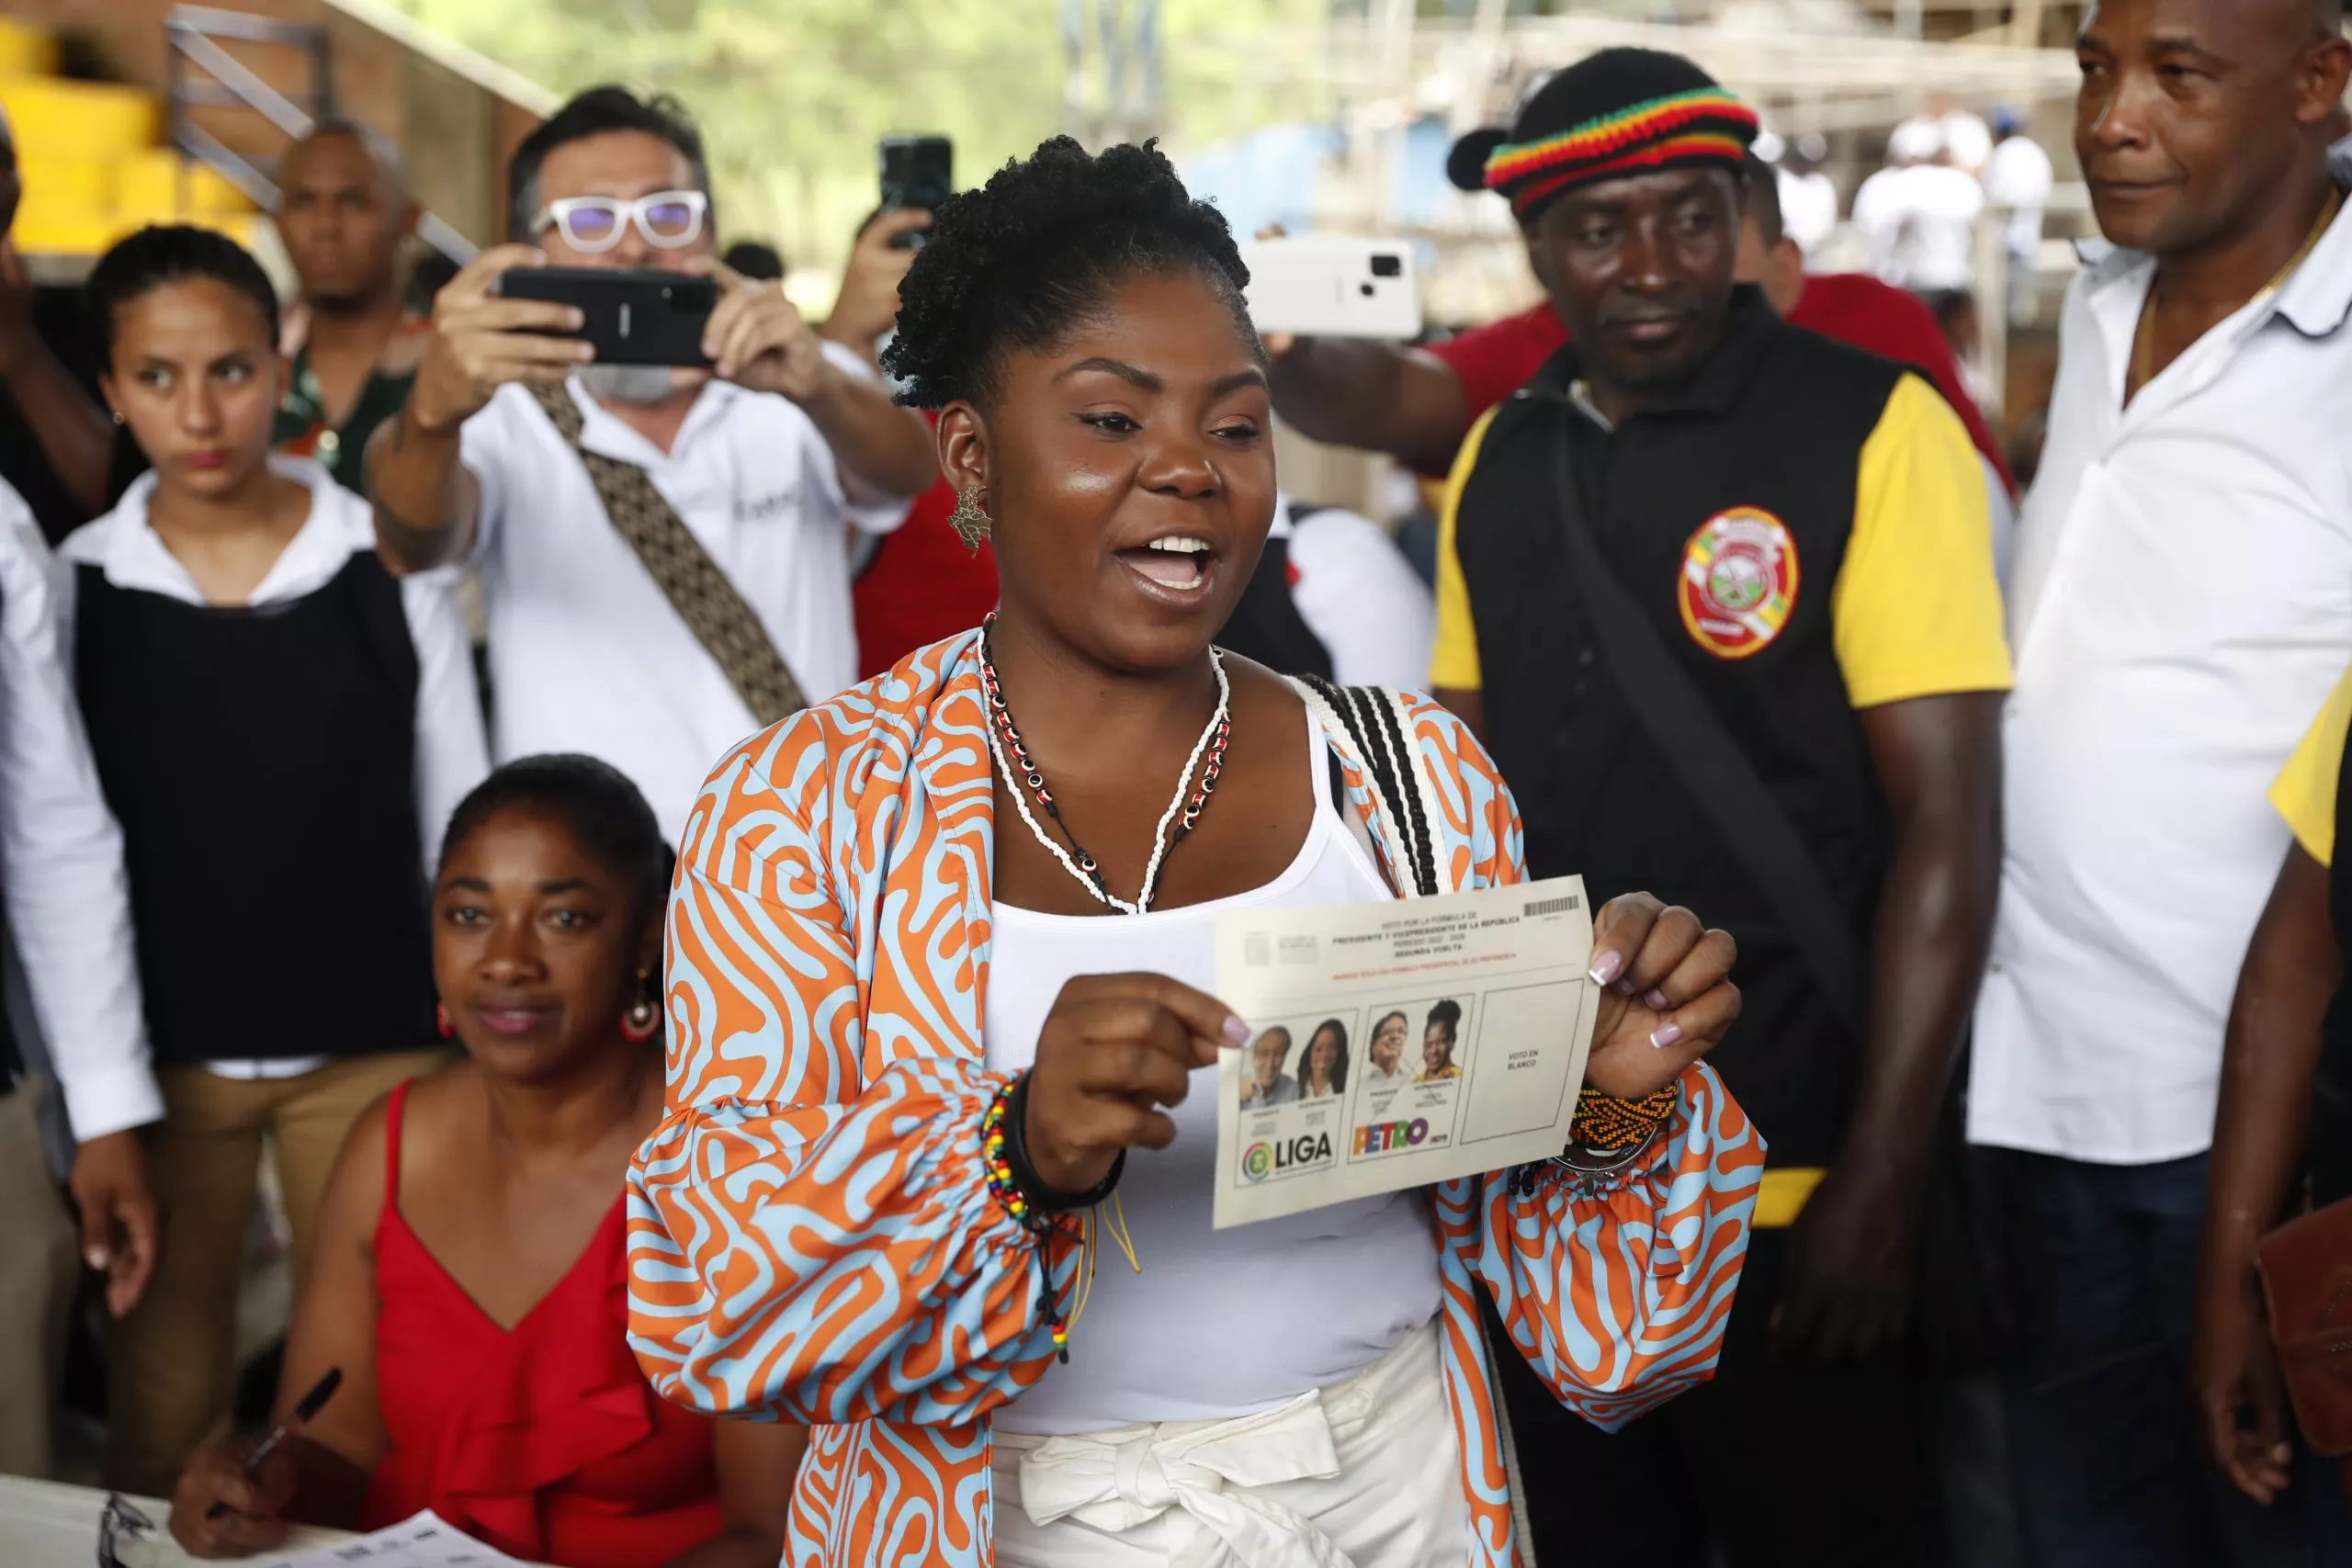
(2241, 1397)
(250, 1522)
(1113, 1050)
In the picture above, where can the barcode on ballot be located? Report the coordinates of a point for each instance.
(1550, 907)
(1256, 951)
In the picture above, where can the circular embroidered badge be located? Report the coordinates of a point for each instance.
(1738, 581)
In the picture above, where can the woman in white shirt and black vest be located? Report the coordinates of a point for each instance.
(281, 729)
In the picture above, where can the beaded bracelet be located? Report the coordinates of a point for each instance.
(1606, 1124)
(1607, 1141)
(1035, 1207)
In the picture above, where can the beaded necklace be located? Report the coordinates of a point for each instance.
(1030, 781)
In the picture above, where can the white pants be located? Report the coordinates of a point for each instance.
(1366, 1473)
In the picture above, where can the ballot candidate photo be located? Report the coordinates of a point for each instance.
(939, 974)
(1384, 1065)
(1264, 1084)
(1323, 1070)
(1437, 1043)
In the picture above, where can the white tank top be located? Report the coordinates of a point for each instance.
(1219, 1323)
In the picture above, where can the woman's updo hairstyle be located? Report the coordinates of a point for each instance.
(174, 252)
(1019, 262)
(1446, 1015)
(594, 802)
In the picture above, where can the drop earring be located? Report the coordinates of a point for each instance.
(642, 1021)
(970, 520)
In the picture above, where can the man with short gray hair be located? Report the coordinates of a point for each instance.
(664, 552)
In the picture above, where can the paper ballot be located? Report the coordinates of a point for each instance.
(423, 1541)
(1396, 1044)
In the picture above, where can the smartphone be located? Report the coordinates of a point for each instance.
(918, 172)
(1334, 286)
(632, 317)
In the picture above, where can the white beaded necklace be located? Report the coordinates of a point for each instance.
(1083, 868)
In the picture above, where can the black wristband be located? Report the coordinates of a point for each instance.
(1031, 1187)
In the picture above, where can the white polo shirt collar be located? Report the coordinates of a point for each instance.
(602, 433)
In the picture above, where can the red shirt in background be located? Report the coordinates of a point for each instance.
(920, 586)
(1494, 361)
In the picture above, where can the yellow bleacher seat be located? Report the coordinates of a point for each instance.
(93, 164)
(66, 231)
(78, 231)
(25, 49)
(53, 181)
(153, 184)
(79, 119)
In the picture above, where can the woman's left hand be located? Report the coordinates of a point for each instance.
(1666, 995)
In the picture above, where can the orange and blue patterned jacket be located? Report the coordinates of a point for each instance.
(810, 1238)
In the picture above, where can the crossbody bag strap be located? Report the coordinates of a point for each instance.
(1736, 802)
(704, 596)
(1361, 723)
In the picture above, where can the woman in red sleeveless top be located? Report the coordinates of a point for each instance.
(469, 1279)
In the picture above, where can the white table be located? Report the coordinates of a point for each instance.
(46, 1525)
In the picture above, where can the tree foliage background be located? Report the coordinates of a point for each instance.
(793, 94)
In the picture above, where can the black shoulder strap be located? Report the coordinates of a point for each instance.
(1391, 770)
(1709, 762)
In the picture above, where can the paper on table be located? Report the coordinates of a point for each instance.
(423, 1541)
(1502, 971)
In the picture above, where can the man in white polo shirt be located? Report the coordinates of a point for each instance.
(656, 633)
(2182, 605)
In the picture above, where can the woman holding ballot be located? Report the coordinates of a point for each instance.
(942, 1031)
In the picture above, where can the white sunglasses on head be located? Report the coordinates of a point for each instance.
(668, 219)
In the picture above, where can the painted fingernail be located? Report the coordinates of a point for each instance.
(1607, 967)
(1657, 998)
(1236, 1030)
(1667, 1034)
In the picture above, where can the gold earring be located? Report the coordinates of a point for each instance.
(969, 520)
(118, 416)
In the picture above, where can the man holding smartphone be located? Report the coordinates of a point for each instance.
(663, 550)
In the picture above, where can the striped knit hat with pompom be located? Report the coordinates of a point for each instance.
(1618, 112)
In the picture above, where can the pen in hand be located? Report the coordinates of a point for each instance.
(312, 1402)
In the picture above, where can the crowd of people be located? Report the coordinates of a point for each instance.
(705, 1033)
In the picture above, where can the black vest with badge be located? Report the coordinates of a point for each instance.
(261, 762)
(1726, 512)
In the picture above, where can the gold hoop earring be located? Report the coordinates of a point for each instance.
(969, 520)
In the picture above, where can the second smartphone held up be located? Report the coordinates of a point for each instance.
(1334, 286)
(632, 317)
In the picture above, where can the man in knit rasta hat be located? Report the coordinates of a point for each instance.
(1710, 567)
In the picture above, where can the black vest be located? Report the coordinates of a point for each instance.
(2331, 1136)
(1266, 626)
(1767, 437)
(261, 762)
